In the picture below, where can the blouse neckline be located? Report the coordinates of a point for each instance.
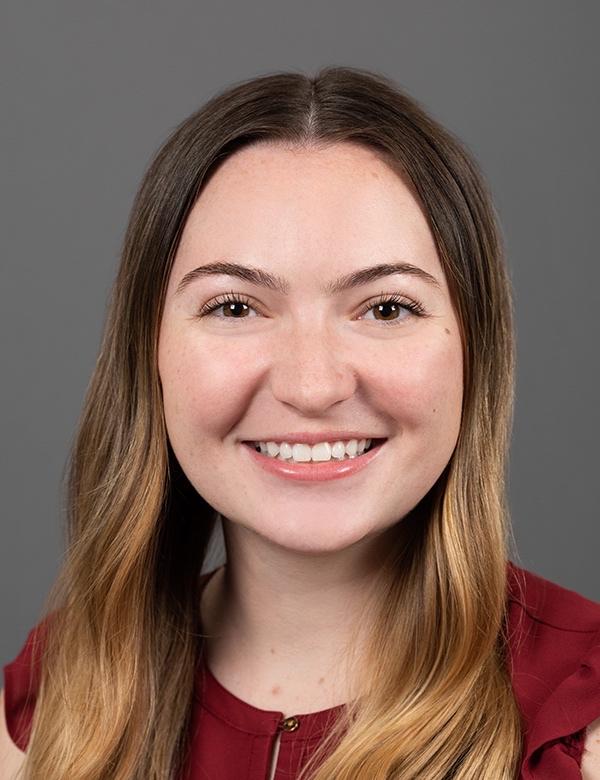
(224, 704)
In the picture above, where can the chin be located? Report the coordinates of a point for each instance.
(321, 536)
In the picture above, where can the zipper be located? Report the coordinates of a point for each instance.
(285, 724)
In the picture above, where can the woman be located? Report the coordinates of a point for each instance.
(310, 342)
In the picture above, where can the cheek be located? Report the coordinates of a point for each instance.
(422, 389)
(203, 387)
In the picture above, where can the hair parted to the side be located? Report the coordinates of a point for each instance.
(122, 627)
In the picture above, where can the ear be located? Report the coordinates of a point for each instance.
(590, 760)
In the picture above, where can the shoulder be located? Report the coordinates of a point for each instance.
(552, 604)
(553, 636)
(549, 626)
(551, 630)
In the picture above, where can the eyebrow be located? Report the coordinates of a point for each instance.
(263, 278)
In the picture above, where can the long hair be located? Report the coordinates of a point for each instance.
(122, 627)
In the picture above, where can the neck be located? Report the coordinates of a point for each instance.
(282, 624)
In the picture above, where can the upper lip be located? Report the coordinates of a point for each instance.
(315, 438)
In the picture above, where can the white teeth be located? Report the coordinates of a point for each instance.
(338, 450)
(301, 452)
(285, 451)
(323, 451)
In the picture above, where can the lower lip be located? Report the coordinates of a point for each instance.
(314, 471)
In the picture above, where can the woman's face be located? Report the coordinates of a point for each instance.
(310, 358)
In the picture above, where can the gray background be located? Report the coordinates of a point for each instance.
(90, 90)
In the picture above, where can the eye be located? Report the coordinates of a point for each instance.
(232, 305)
(388, 306)
(237, 307)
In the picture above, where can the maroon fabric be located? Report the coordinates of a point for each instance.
(554, 649)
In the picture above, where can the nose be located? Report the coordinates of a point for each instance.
(312, 370)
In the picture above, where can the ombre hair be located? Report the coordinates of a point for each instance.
(122, 629)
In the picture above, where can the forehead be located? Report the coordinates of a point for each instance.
(340, 205)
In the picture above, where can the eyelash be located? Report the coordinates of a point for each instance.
(414, 307)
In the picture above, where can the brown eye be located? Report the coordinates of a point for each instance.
(234, 308)
(389, 310)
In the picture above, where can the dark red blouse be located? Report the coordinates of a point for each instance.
(555, 669)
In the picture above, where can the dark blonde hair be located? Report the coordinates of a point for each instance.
(123, 625)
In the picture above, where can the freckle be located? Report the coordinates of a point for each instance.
(321, 680)
(272, 651)
(275, 690)
(374, 175)
(435, 410)
(447, 331)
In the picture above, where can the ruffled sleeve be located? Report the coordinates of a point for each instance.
(555, 741)
(555, 667)
(21, 680)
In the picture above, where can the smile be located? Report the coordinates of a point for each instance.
(301, 464)
(319, 452)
